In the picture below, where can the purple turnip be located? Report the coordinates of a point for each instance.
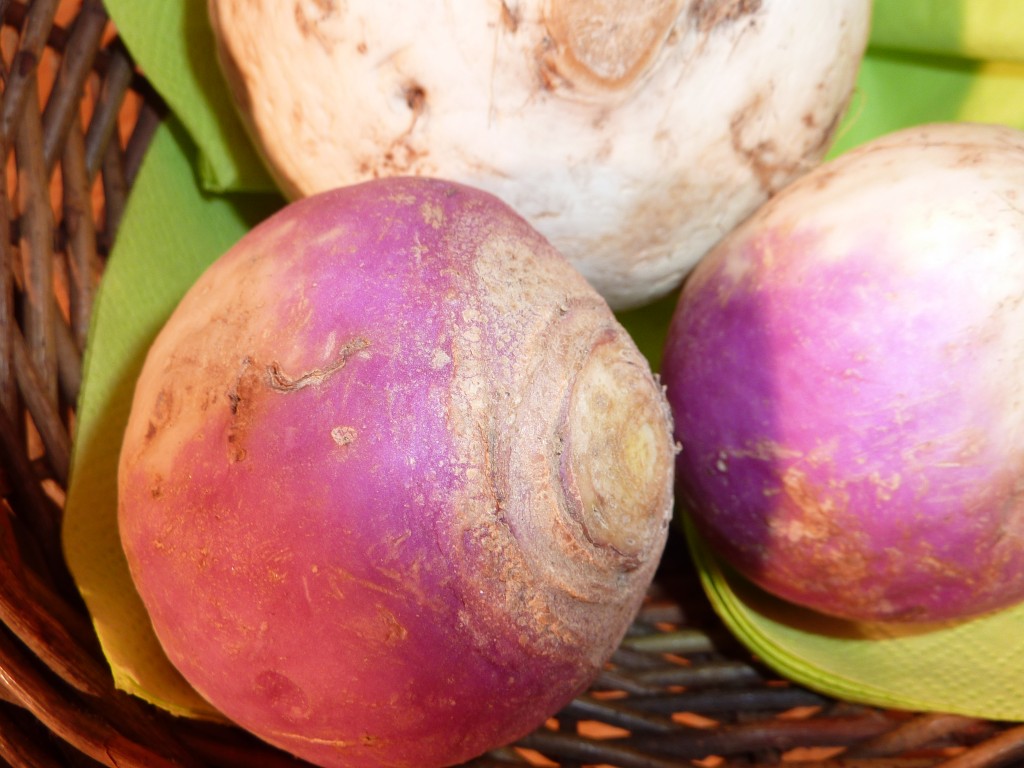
(846, 372)
(395, 480)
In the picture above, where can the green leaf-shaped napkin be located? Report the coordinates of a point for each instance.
(173, 43)
(170, 232)
(973, 668)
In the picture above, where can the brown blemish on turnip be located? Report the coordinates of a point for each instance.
(817, 507)
(249, 383)
(401, 157)
(706, 15)
(432, 214)
(312, 27)
(160, 416)
(548, 77)
(761, 155)
(773, 167)
(415, 98)
(509, 18)
(245, 387)
(343, 436)
(279, 381)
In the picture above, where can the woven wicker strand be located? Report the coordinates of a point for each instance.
(76, 118)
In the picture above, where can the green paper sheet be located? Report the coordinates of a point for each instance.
(170, 231)
(973, 668)
(173, 44)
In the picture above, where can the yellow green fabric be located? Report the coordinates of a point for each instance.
(173, 43)
(202, 186)
(973, 668)
(170, 231)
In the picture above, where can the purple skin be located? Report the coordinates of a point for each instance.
(848, 443)
(319, 496)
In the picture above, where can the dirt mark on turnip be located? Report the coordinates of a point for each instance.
(279, 381)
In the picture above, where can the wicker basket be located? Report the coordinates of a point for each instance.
(75, 120)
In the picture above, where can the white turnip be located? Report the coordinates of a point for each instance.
(632, 134)
(395, 480)
(846, 372)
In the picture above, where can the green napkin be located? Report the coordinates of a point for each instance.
(984, 30)
(173, 44)
(929, 60)
(170, 231)
(973, 668)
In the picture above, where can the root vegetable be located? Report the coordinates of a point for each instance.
(632, 134)
(395, 480)
(846, 371)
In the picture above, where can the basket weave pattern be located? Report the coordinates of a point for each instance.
(75, 120)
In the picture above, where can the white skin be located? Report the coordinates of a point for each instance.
(632, 137)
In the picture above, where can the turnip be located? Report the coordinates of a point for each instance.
(846, 372)
(632, 134)
(395, 480)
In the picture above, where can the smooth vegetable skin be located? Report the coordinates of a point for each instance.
(395, 480)
(847, 377)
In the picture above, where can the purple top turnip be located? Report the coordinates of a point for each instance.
(846, 373)
(395, 480)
